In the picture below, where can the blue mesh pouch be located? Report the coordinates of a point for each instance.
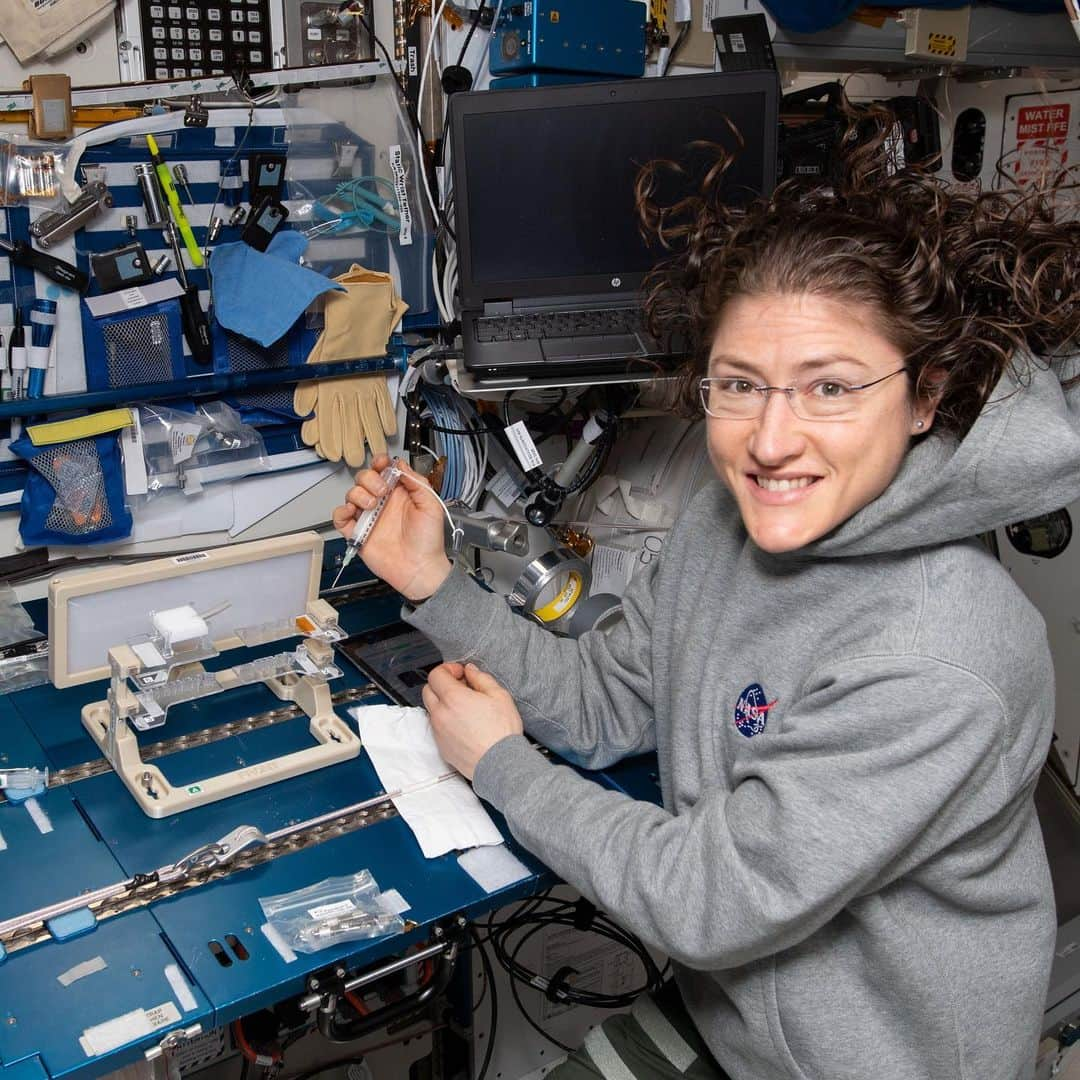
(234, 353)
(74, 492)
(143, 345)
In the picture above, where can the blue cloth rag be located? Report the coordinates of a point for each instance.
(260, 294)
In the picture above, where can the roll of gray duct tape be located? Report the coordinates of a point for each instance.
(597, 612)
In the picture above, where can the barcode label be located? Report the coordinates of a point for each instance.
(194, 556)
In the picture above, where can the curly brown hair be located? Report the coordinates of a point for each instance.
(963, 283)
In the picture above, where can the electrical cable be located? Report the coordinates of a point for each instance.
(584, 917)
(414, 118)
(472, 30)
(489, 975)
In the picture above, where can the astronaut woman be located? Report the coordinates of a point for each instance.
(850, 699)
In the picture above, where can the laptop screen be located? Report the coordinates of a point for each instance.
(544, 177)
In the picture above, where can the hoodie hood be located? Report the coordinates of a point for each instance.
(1020, 459)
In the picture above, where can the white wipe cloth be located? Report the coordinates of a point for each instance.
(444, 817)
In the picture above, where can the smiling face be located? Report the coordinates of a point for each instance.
(795, 480)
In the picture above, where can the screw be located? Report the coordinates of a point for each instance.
(314, 984)
(137, 972)
(12, 1021)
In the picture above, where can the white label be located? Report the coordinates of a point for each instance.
(602, 966)
(80, 971)
(54, 112)
(524, 447)
(711, 9)
(314, 33)
(738, 43)
(330, 911)
(38, 816)
(182, 439)
(3, 843)
(393, 902)
(133, 298)
(504, 488)
(180, 987)
(397, 167)
(273, 935)
(611, 569)
(131, 448)
(103, 1038)
(414, 61)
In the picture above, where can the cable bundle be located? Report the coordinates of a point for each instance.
(466, 454)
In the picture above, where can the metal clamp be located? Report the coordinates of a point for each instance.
(173, 1041)
(57, 225)
(209, 856)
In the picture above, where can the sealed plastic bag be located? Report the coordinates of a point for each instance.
(331, 911)
(20, 667)
(185, 450)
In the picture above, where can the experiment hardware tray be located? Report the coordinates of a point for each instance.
(156, 969)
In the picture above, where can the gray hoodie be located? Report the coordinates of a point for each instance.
(847, 868)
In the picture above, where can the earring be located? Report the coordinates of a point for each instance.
(919, 424)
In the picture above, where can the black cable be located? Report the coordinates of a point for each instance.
(413, 115)
(472, 30)
(570, 915)
(680, 41)
(489, 974)
(413, 411)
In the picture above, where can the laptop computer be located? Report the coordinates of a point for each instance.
(550, 256)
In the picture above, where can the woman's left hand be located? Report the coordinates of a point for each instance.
(470, 712)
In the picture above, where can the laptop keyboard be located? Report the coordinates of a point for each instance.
(558, 324)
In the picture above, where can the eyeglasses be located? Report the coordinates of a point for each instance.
(737, 398)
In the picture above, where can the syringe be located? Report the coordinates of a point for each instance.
(23, 778)
(366, 521)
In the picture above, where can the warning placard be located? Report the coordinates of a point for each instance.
(1043, 122)
(1039, 137)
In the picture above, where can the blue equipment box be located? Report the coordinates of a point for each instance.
(597, 37)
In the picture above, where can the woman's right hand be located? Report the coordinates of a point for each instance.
(406, 548)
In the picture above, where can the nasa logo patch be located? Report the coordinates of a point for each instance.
(752, 710)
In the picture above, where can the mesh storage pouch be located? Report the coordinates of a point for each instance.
(235, 354)
(143, 345)
(74, 492)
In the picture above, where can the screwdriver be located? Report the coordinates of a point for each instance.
(193, 318)
(63, 273)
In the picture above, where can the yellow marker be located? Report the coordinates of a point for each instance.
(166, 181)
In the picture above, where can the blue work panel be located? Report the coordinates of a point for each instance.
(27, 1069)
(41, 839)
(435, 889)
(120, 969)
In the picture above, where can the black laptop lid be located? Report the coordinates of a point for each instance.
(544, 177)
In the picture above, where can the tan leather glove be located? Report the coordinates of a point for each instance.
(354, 408)
(347, 411)
(359, 320)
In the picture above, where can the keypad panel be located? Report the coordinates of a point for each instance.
(188, 41)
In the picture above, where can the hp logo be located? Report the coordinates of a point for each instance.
(616, 282)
